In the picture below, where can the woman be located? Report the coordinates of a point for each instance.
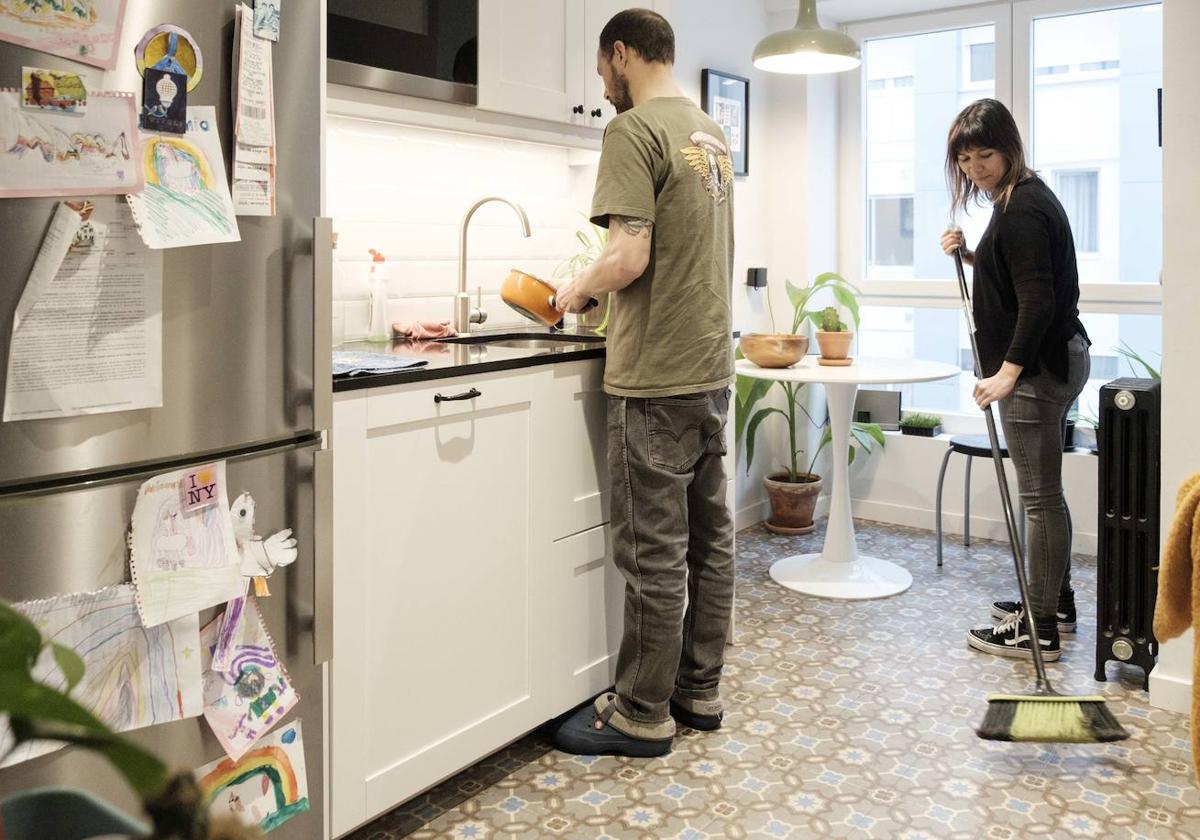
(1033, 350)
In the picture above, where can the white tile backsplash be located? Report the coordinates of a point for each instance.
(403, 190)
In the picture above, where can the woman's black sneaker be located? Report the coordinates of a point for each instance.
(1011, 638)
(1065, 613)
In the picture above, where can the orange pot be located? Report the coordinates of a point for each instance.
(532, 297)
(834, 345)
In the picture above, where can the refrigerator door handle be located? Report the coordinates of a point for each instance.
(322, 322)
(323, 557)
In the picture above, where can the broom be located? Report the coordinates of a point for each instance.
(1043, 715)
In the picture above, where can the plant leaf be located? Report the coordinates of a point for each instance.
(847, 299)
(875, 431)
(749, 392)
(20, 641)
(70, 663)
(761, 415)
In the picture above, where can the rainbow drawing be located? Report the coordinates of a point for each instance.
(265, 787)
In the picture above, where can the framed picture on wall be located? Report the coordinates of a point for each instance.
(726, 99)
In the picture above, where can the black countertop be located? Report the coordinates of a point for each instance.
(448, 359)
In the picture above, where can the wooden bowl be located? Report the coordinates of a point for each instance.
(774, 350)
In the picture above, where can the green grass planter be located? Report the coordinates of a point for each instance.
(921, 425)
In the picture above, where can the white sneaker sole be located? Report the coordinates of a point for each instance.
(1011, 652)
(1063, 626)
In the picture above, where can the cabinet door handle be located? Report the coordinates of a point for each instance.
(466, 395)
(597, 113)
(578, 109)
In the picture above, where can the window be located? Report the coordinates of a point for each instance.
(983, 62)
(1078, 191)
(1081, 78)
(892, 230)
(913, 89)
(1101, 131)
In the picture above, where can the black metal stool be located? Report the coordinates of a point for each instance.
(973, 446)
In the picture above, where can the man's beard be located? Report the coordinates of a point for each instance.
(621, 98)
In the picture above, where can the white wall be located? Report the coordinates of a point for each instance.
(899, 483)
(403, 190)
(1171, 680)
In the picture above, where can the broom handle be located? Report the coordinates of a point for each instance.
(1043, 682)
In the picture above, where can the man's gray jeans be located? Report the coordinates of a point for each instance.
(1032, 417)
(673, 543)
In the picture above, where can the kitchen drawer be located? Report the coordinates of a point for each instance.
(419, 402)
(575, 435)
(587, 594)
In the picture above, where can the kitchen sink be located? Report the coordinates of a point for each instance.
(525, 341)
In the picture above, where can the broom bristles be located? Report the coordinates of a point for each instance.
(1049, 719)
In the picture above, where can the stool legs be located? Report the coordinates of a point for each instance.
(937, 523)
(967, 504)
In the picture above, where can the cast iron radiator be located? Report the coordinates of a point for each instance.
(1129, 440)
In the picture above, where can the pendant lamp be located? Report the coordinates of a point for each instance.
(807, 48)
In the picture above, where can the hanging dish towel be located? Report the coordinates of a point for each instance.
(1178, 605)
(351, 363)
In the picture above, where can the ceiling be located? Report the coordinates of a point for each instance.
(844, 11)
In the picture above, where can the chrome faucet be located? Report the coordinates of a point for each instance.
(464, 315)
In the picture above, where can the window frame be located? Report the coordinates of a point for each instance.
(1013, 21)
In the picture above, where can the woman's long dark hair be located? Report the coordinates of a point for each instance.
(984, 124)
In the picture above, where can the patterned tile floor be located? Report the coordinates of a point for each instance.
(850, 719)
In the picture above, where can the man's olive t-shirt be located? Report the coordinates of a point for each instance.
(670, 330)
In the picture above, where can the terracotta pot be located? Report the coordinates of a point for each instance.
(774, 350)
(792, 504)
(834, 345)
(532, 297)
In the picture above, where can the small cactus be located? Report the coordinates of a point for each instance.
(830, 322)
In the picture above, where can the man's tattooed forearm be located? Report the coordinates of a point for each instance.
(635, 227)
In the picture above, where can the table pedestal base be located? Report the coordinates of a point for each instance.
(859, 579)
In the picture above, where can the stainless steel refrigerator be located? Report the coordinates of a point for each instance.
(258, 397)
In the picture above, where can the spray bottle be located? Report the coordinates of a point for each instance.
(378, 329)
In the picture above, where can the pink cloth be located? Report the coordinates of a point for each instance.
(424, 330)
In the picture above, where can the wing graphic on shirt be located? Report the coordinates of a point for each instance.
(710, 160)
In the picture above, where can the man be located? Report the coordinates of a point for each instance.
(664, 191)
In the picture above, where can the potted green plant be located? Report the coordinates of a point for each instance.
(833, 336)
(793, 491)
(37, 712)
(921, 425)
(592, 240)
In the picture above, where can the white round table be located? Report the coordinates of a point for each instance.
(839, 571)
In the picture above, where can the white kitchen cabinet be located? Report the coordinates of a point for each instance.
(475, 595)
(439, 642)
(551, 76)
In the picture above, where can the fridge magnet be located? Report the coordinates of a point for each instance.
(134, 676)
(95, 293)
(726, 99)
(186, 198)
(201, 488)
(181, 563)
(246, 699)
(170, 48)
(266, 787)
(81, 30)
(53, 90)
(164, 101)
(46, 152)
(260, 558)
(266, 19)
